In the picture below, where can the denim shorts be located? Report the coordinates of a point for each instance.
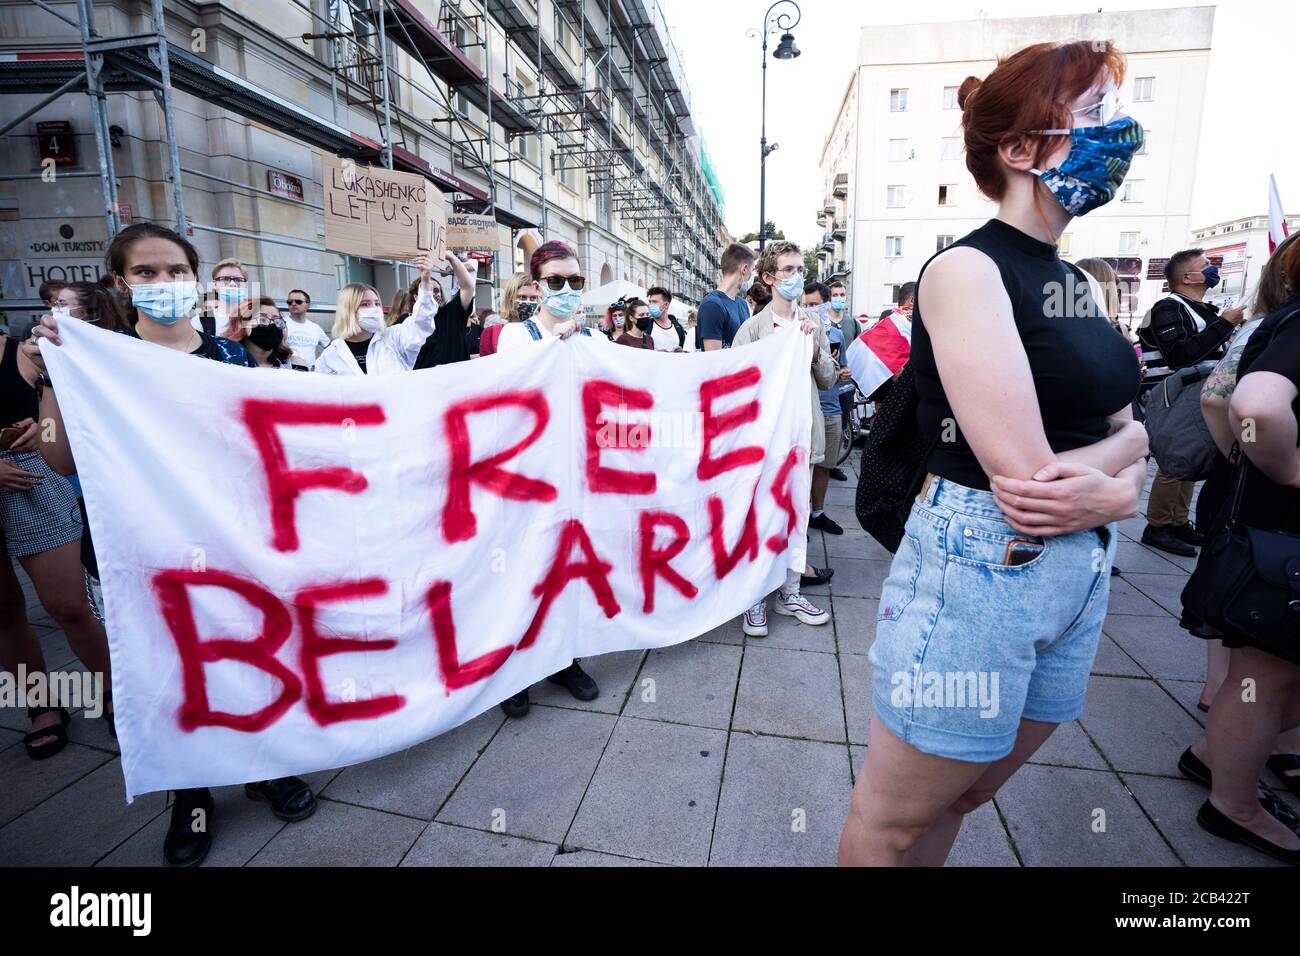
(980, 625)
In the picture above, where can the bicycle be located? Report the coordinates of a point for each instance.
(856, 423)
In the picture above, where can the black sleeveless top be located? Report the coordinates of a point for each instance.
(1083, 369)
(17, 398)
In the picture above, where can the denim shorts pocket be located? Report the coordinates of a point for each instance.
(899, 588)
(991, 543)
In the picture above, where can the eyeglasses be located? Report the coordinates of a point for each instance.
(789, 271)
(257, 320)
(557, 283)
(297, 301)
(1102, 113)
(229, 280)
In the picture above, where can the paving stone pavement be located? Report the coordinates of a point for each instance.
(744, 755)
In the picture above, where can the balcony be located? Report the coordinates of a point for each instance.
(828, 242)
(829, 206)
(841, 185)
(839, 231)
(821, 217)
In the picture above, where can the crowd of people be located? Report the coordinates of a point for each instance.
(1012, 529)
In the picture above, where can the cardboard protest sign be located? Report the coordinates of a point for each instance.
(380, 213)
(331, 569)
(467, 232)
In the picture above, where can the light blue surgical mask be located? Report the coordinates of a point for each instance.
(838, 303)
(562, 304)
(231, 295)
(165, 302)
(655, 312)
(791, 288)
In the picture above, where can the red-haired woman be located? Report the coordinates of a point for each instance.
(990, 617)
(557, 278)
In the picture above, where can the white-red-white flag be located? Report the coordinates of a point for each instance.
(1277, 230)
(878, 353)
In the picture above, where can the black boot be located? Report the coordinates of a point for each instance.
(1187, 534)
(1163, 539)
(189, 835)
(577, 682)
(290, 798)
(818, 577)
(516, 706)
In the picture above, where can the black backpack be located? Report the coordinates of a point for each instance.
(893, 463)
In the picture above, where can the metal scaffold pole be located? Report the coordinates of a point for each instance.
(99, 117)
(160, 57)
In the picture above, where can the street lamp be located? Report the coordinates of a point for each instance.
(785, 50)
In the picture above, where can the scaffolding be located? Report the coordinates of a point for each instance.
(608, 96)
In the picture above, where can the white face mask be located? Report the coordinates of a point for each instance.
(61, 314)
(370, 318)
(747, 283)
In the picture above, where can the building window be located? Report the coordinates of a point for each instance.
(895, 196)
(1128, 243)
(525, 148)
(1146, 142)
(1063, 247)
(894, 292)
(461, 105)
(942, 242)
(950, 98)
(897, 150)
(564, 37)
(1143, 89)
(1131, 191)
(950, 147)
(897, 101)
(947, 195)
(893, 247)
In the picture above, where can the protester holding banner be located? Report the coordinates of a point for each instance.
(41, 527)
(363, 344)
(157, 269)
(781, 269)
(558, 281)
(519, 301)
(1004, 571)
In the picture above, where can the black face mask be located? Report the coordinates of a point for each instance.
(266, 337)
(644, 322)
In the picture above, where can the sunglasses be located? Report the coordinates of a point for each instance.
(557, 283)
(297, 301)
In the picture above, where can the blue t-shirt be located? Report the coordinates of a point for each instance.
(830, 397)
(719, 317)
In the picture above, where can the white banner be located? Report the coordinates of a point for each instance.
(302, 572)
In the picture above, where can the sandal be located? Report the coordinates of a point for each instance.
(58, 731)
(1285, 766)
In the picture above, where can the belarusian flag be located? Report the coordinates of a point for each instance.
(1277, 230)
(878, 353)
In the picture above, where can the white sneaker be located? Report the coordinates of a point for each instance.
(796, 605)
(754, 622)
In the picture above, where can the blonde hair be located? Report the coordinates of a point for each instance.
(403, 302)
(345, 309)
(229, 262)
(1104, 273)
(510, 291)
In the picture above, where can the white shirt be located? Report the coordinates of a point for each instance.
(665, 339)
(391, 349)
(516, 335)
(303, 336)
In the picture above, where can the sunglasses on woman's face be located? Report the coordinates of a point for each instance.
(556, 283)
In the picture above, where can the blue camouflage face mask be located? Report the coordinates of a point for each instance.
(165, 302)
(1096, 166)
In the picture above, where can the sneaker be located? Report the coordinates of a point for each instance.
(798, 606)
(1164, 539)
(838, 474)
(516, 706)
(755, 621)
(577, 682)
(824, 522)
(1187, 534)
